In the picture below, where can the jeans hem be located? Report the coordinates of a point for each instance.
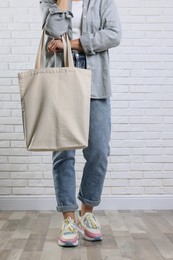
(88, 202)
(67, 208)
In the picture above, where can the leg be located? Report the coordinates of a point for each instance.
(85, 208)
(96, 154)
(63, 169)
(65, 182)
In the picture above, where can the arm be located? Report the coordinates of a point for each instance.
(76, 45)
(63, 5)
(57, 45)
(109, 35)
(55, 16)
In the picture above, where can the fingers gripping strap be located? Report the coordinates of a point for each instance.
(68, 58)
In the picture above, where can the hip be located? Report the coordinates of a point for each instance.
(79, 59)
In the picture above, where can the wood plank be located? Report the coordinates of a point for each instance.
(51, 251)
(160, 240)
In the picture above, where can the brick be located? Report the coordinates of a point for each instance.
(160, 3)
(145, 182)
(146, 27)
(23, 4)
(5, 175)
(6, 128)
(127, 190)
(49, 191)
(158, 190)
(4, 143)
(167, 11)
(26, 175)
(17, 144)
(14, 42)
(27, 191)
(13, 167)
(19, 183)
(5, 34)
(40, 183)
(5, 191)
(151, 151)
(24, 159)
(146, 11)
(3, 159)
(153, 174)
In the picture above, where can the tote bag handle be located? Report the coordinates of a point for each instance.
(68, 59)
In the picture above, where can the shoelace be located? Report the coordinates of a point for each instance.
(69, 225)
(92, 220)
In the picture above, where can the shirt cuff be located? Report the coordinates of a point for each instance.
(85, 40)
(54, 9)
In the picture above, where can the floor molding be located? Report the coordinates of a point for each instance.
(107, 203)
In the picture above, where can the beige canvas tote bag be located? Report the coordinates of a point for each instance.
(55, 104)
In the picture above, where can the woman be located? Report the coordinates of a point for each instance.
(93, 26)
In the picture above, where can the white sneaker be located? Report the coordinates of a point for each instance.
(69, 233)
(89, 226)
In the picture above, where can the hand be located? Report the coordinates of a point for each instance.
(62, 4)
(55, 45)
(76, 45)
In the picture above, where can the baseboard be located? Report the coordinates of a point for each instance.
(107, 203)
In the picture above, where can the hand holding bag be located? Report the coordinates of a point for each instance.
(55, 104)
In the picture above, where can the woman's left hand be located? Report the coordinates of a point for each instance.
(55, 45)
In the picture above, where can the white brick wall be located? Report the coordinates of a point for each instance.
(141, 161)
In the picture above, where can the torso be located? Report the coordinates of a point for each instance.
(77, 19)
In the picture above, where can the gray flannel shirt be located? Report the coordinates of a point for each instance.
(101, 30)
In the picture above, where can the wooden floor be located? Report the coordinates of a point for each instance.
(127, 235)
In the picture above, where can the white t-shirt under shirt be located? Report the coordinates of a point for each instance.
(77, 18)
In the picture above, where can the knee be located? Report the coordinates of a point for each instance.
(97, 152)
(58, 157)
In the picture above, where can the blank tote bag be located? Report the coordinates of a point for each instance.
(55, 104)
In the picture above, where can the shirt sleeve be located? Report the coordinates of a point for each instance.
(50, 7)
(110, 33)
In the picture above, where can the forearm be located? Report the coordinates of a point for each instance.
(76, 45)
(62, 4)
(108, 35)
(101, 40)
(57, 45)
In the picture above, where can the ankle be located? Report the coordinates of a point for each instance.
(69, 214)
(86, 208)
(83, 212)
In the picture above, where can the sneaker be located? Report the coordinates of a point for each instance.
(89, 226)
(68, 235)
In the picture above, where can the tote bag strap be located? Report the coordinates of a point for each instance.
(68, 59)
(40, 52)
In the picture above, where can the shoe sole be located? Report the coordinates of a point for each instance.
(92, 239)
(68, 244)
(84, 236)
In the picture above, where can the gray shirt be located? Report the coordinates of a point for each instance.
(101, 30)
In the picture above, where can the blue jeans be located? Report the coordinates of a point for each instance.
(96, 156)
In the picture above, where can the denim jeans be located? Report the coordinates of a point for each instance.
(96, 156)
